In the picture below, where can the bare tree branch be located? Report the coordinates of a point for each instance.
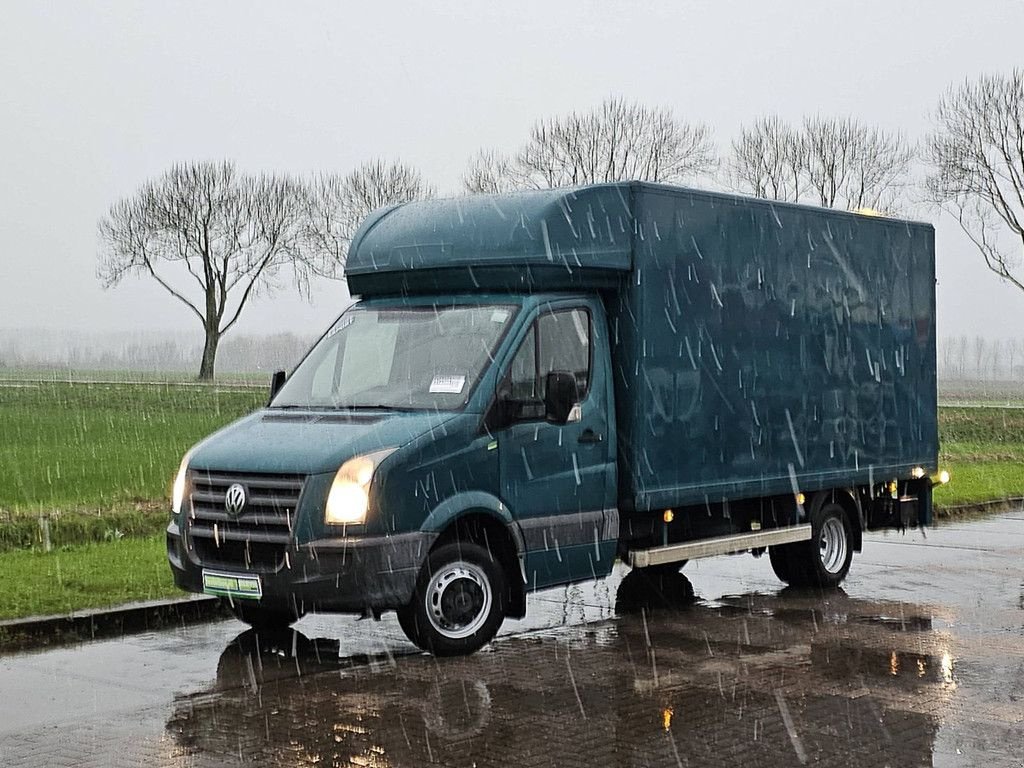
(768, 160)
(976, 153)
(618, 141)
(836, 163)
(336, 206)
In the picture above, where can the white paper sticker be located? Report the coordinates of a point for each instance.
(447, 385)
(499, 316)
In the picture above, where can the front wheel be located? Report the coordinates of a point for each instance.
(260, 618)
(459, 602)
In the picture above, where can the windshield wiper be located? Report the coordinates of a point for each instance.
(366, 407)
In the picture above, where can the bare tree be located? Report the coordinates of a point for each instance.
(851, 165)
(980, 346)
(834, 162)
(769, 160)
(336, 205)
(619, 140)
(976, 152)
(211, 237)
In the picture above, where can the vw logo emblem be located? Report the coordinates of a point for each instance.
(234, 500)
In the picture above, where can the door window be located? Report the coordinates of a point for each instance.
(565, 346)
(557, 341)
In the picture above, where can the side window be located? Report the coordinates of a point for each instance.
(565, 346)
(523, 374)
(558, 341)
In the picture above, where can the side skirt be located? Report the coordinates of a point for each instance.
(721, 545)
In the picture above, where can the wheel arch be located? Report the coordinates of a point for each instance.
(483, 519)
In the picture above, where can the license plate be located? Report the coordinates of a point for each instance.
(232, 585)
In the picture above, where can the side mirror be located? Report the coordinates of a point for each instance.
(560, 394)
(276, 382)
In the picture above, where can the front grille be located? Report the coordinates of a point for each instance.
(257, 538)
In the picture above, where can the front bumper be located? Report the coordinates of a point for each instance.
(345, 575)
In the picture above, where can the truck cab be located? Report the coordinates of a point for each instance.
(474, 430)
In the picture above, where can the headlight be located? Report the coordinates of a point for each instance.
(180, 481)
(350, 493)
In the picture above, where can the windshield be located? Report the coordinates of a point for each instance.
(409, 358)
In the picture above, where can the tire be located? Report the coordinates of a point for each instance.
(823, 561)
(830, 547)
(459, 603)
(785, 562)
(260, 618)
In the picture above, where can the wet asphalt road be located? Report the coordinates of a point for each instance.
(919, 661)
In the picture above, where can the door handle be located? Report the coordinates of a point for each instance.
(590, 436)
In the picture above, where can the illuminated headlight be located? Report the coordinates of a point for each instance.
(349, 498)
(179, 487)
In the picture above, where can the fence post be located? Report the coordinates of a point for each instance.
(44, 530)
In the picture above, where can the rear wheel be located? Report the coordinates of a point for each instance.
(831, 548)
(459, 603)
(823, 561)
(785, 562)
(260, 618)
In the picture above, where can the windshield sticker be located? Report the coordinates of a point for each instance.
(447, 385)
(499, 316)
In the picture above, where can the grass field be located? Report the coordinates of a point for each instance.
(983, 448)
(86, 576)
(72, 446)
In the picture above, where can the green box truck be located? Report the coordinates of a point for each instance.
(533, 385)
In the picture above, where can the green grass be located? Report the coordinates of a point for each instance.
(86, 576)
(983, 449)
(69, 446)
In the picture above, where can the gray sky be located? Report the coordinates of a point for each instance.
(97, 97)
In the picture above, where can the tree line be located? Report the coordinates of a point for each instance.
(213, 237)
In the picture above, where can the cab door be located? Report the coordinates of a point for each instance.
(558, 479)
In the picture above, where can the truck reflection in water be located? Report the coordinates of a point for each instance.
(758, 678)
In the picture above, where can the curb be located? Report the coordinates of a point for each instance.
(40, 632)
(979, 508)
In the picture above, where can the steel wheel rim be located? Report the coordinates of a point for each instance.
(458, 599)
(832, 545)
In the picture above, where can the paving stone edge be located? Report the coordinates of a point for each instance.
(37, 632)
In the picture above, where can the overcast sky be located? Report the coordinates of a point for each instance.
(97, 97)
